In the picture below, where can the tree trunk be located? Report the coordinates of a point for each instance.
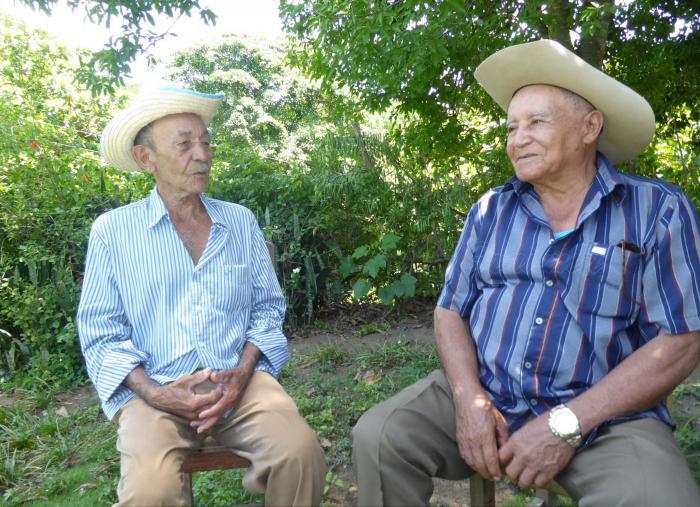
(369, 163)
(560, 22)
(592, 47)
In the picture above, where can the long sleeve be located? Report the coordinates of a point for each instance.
(103, 327)
(267, 309)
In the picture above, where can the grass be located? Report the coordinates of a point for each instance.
(47, 459)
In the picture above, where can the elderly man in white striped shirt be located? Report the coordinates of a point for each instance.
(180, 318)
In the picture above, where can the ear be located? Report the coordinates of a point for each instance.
(144, 156)
(593, 126)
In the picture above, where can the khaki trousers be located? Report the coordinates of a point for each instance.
(286, 461)
(402, 443)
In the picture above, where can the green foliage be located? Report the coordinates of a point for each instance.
(418, 57)
(105, 69)
(52, 186)
(368, 275)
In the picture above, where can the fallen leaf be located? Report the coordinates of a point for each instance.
(63, 412)
(306, 364)
(326, 443)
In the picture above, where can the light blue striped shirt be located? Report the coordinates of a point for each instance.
(551, 317)
(144, 302)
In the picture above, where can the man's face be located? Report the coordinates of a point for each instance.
(182, 158)
(545, 134)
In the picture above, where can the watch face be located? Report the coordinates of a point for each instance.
(565, 422)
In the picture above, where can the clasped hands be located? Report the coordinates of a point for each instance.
(532, 456)
(184, 398)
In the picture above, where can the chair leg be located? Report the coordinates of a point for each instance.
(482, 492)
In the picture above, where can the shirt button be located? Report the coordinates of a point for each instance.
(539, 320)
(528, 364)
(549, 283)
(533, 402)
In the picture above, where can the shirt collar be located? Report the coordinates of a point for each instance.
(157, 209)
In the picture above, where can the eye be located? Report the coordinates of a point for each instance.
(183, 144)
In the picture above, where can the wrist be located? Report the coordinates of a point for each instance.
(564, 424)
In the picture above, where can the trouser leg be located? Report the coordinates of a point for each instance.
(152, 444)
(405, 441)
(633, 464)
(287, 463)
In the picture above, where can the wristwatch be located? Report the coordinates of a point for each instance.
(564, 424)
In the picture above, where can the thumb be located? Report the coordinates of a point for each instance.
(201, 375)
(502, 432)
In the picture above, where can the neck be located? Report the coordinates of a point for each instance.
(182, 207)
(562, 198)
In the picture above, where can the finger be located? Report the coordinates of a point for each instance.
(477, 463)
(527, 478)
(217, 408)
(490, 453)
(199, 376)
(514, 469)
(200, 401)
(505, 453)
(502, 432)
(207, 424)
(542, 480)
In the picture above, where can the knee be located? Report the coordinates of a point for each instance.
(154, 485)
(383, 430)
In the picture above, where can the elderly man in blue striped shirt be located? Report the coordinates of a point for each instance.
(180, 318)
(570, 311)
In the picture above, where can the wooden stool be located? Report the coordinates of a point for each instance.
(208, 458)
(482, 493)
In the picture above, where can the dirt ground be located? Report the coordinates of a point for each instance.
(343, 326)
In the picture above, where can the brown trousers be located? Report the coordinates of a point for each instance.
(287, 463)
(402, 443)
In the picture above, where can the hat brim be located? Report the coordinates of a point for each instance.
(629, 119)
(118, 136)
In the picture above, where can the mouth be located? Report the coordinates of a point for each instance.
(526, 156)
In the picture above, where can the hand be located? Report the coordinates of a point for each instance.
(231, 383)
(534, 455)
(481, 428)
(180, 398)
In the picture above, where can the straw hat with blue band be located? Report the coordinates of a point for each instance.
(118, 136)
(629, 119)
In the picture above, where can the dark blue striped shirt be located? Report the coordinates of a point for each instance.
(551, 317)
(144, 302)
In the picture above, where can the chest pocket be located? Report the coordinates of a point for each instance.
(606, 282)
(233, 285)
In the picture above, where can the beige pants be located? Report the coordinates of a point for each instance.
(286, 461)
(402, 443)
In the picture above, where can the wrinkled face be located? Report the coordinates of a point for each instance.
(182, 158)
(546, 133)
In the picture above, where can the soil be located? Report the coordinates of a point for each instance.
(343, 326)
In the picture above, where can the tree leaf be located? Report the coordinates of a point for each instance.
(360, 288)
(373, 265)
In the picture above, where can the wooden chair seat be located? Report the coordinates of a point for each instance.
(208, 458)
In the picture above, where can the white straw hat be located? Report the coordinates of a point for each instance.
(118, 136)
(629, 119)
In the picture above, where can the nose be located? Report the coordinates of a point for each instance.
(202, 151)
(519, 137)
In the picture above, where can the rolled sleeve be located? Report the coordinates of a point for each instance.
(267, 312)
(103, 327)
(671, 292)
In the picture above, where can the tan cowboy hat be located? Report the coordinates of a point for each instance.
(629, 119)
(118, 136)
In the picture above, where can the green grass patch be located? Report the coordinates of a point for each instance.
(46, 459)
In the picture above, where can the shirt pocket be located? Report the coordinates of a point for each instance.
(235, 286)
(606, 282)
